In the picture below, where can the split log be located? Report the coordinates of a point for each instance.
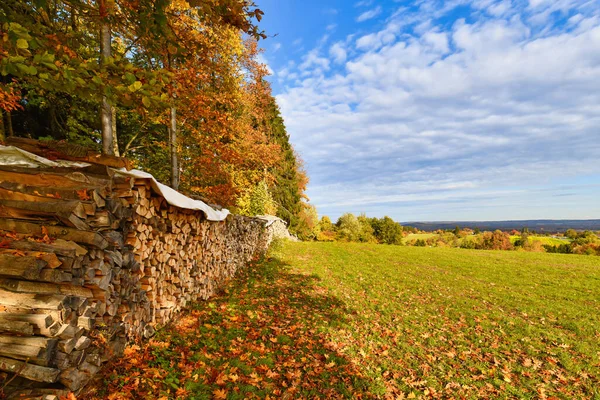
(51, 259)
(59, 247)
(44, 288)
(60, 208)
(39, 321)
(86, 237)
(31, 372)
(17, 327)
(49, 178)
(25, 267)
(32, 300)
(67, 151)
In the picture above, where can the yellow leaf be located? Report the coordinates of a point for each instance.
(22, 44)
(135, 86)
(220, 394)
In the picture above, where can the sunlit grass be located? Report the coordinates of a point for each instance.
(542, 239)
(464, 322)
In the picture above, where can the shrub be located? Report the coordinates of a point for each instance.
(308, 223)
(564, 248)
(348, 228)
(326, 236)
(387, 231)
(496, 240)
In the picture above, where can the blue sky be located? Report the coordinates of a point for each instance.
(442, 110)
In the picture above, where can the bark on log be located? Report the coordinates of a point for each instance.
(86, 237)
(32, 372)
(66, 151)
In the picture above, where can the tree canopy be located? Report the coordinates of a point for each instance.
(174, 85)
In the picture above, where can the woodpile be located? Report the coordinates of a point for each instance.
(91, 258)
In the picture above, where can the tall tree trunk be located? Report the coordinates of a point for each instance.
(105, 110)
(173, 149)
(9, 127)
(2, 130)
(114, 131)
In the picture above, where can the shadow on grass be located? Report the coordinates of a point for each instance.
(264, 336)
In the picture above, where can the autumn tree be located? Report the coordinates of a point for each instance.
(387, 231)
(179, 80)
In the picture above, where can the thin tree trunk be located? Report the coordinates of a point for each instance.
(2, 130)
(114, 131)
(173, 149)
(105, 110)
(9, 126)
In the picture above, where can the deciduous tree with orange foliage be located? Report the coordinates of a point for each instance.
(179, 80)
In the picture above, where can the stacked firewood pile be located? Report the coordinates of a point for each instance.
(91, 258)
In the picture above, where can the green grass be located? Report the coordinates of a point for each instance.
(344, 320)
(543, 239)
(463, 322)
(416, 236)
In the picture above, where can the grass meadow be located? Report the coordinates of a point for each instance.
(543, 240)
(344, 320)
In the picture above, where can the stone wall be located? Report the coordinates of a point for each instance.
(90, 259)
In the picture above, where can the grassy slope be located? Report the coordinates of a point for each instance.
(524, 323)
(543, 239)
(335, 320)
(416, 236)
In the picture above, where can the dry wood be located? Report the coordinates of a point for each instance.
(59, 246)
(91, 238)
(67, 151)
(63, 208)
(37, 320)
(32, 301)
(150, 260)
(25, 267)
(32, 372)
(44, 288)
(51, 259)
(46, 178)
(18, 327)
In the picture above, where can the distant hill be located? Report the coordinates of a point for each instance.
(547, 225)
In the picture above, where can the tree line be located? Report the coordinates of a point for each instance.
(174, 85)
(363, 229)
(352, 228)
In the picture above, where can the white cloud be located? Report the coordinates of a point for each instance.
(363, 3)
(374, 41)
(370, 14)
(314, 60)
(470, 119)
(338, 53)
(437, 40)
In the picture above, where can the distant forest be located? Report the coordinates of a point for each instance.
(541, 225)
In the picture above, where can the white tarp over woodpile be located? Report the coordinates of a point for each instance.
(15, 157)
(270, 219)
